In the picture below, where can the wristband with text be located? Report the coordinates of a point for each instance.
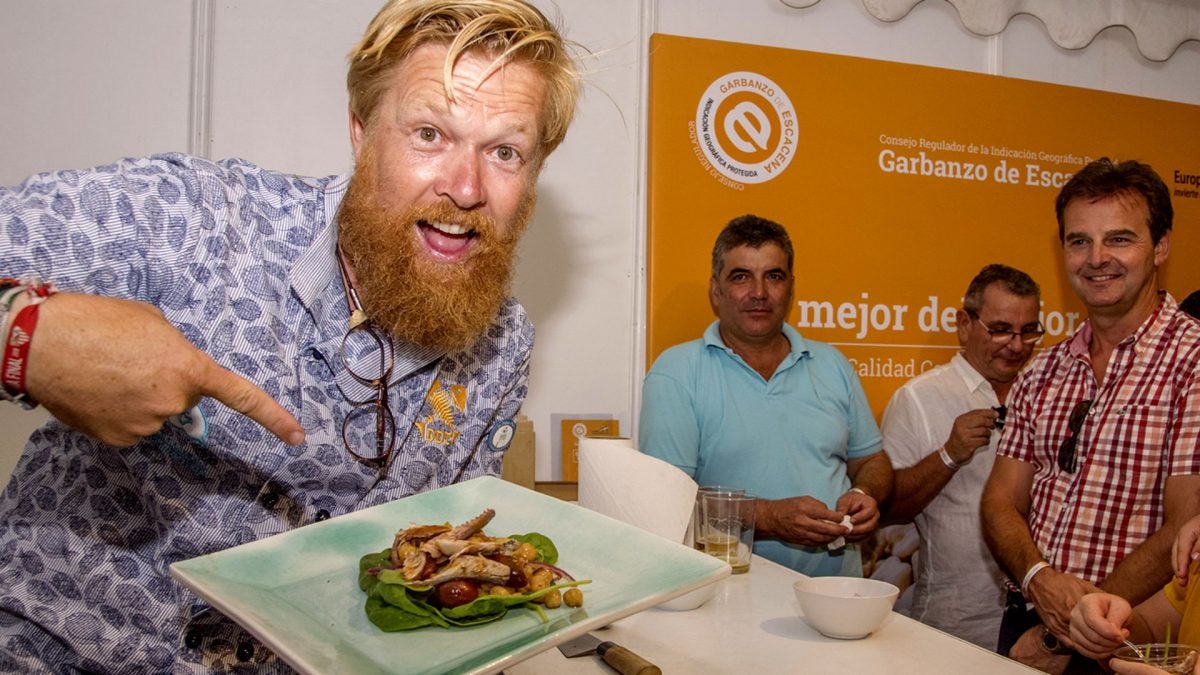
(14, 359)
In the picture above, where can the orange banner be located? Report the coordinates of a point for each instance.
(896, 182)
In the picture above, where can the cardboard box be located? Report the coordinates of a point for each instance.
(519, 459)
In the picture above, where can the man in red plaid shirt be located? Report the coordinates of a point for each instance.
(1098, 465)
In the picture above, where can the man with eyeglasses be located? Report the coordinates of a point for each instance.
(940, 430)
(316, 346)
(1098, 465)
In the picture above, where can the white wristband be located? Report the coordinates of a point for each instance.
(1037, 567)
(947, 459)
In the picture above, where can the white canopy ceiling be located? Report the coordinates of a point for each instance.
(1158, 26)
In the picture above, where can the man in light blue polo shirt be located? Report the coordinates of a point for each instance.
(754, 405)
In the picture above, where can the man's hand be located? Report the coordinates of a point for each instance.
(1098, 624)
(972, 430)
(798, 520)
(1186, 549)
(116, 370)
(863, 511)
(1054, 595)
(1030, 650)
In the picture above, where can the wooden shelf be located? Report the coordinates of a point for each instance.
(563, 489)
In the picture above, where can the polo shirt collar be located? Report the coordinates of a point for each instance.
(798, 346)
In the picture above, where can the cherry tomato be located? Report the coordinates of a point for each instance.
(456, 592)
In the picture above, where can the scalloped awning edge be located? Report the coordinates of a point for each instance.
(1158, 26)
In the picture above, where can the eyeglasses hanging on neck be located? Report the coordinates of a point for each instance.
(368, 356)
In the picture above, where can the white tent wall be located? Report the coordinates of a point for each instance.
(85, 83)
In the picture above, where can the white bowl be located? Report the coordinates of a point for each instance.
(691, 600)
(846, 608)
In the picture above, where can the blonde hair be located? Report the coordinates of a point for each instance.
(507, 30)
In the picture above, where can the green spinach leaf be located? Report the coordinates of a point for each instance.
(547, 552)
(371, 561)
(391, 618)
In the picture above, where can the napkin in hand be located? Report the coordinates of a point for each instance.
(840, 542)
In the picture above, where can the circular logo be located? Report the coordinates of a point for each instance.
(502, 434)
(746, 127)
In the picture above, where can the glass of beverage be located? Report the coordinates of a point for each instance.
(1173, 658)
(727, 523)
(695, 533)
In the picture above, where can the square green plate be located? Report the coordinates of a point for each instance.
(298, 591)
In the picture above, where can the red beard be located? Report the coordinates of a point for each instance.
(417, 299)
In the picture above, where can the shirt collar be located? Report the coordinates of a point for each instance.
(798, 346)
(974, 380)
(1153, 325)
(314, 276)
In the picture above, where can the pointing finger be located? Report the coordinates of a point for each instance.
(243, 396)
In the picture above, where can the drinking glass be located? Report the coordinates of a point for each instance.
(1173, 658)
(727, 523)
(695, 533)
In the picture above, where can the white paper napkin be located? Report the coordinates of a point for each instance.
(644, 491)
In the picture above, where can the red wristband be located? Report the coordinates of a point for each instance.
(16, 351)
(15, 361)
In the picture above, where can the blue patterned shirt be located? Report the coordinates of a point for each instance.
(242, 261)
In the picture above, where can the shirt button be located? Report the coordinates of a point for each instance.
(245, 651)
(321, 515)
(192, 639)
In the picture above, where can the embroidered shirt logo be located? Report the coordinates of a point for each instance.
(447, 403)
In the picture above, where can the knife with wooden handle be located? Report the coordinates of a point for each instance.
(619, 658)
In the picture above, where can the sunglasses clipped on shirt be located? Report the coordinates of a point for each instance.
(1066, 452)
(1001, 414)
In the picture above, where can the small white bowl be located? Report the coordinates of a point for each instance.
(692, 599)
(847, 608)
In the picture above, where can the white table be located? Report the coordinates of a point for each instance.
(753, 625)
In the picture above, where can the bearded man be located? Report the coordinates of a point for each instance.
(234, 352)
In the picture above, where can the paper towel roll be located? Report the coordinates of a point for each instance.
(644, 491)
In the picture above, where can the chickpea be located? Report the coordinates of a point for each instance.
(525, 553)
(553, 599)
(500, 590)
(540, 579)
(573, 597)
